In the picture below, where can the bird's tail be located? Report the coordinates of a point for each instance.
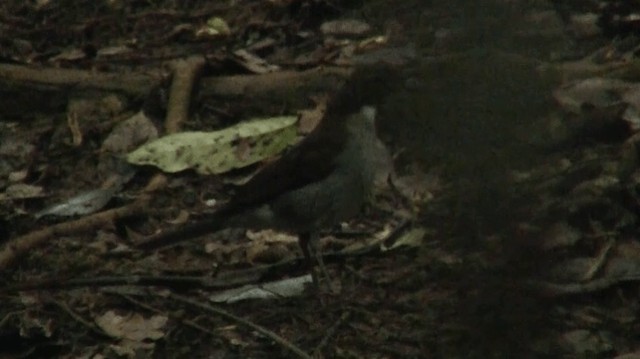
(182, 233)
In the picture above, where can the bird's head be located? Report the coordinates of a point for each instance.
(367, 86)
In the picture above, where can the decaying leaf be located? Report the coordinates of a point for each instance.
(84, 203)
(129, 133)
(22, 191)
(132, 326)
(285, 288)
(345, 27)
(253, 62)
(412, 238)
(220, 151)
(215, 27)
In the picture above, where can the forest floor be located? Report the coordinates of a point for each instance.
(510, 230)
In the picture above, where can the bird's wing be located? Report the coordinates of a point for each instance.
(308, 162)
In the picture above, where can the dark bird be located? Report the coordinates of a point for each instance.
(323, 180)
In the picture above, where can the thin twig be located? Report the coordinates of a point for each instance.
(264, 331)
(332, 331)
(184, 321)
(79, 319)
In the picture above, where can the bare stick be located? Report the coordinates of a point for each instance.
(262, 330)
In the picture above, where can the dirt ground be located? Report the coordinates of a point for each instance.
(509, 228)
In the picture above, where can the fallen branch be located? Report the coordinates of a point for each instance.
(17, 247)
(185, 74)
(43, 84)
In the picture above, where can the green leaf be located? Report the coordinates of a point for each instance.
(219, 151)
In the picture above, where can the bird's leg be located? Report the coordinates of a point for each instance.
(304, 240)
(309, 243)
(314, 250)
(309, 251)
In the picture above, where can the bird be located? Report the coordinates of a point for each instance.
(322, 181)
